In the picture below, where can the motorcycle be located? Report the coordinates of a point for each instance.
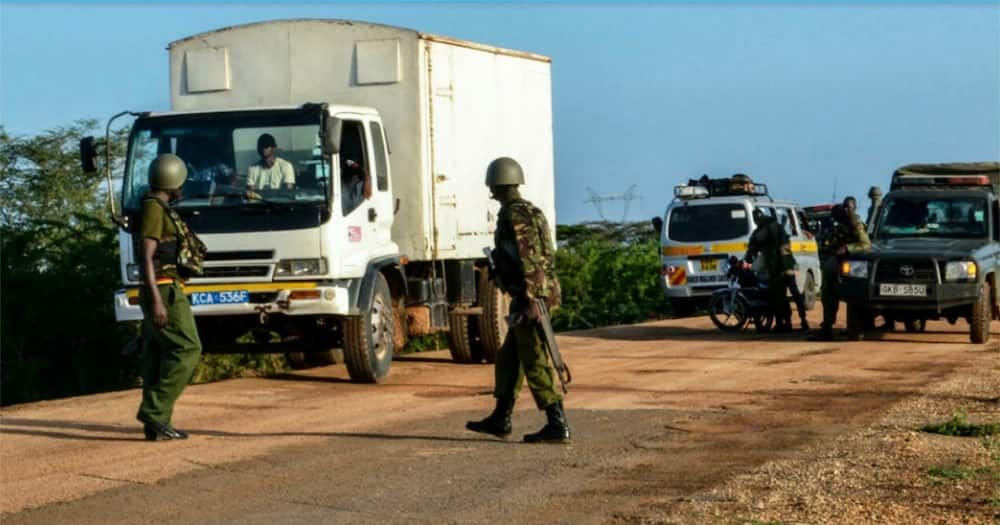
(742, 302)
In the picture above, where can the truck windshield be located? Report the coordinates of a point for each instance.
(710, 222)
(933, 216)
(230, 161)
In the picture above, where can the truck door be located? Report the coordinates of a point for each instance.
(357, 198)
(444, 169)
(382, 203)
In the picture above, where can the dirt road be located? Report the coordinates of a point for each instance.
(673, 422)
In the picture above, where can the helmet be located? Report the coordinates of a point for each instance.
(504, 171)
(167, 172)
(874, 191)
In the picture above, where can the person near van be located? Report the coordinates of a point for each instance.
(790, 267)
(524, 258)
(171, 346)
(848, 235)
(769, 240)
(271, 172)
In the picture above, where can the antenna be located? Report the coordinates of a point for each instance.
(834, 189)
(627, 197)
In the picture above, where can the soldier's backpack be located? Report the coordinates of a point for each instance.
(191, 251)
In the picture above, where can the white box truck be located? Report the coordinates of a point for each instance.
(378, 233)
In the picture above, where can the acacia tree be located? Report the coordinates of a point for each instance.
(59, 265)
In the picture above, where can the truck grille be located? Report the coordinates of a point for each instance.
(214, 272)
(906, 271)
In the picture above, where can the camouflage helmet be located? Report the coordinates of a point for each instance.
(167, 172)
(874, 191)
(504, 171)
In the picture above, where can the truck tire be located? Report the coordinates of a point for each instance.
(463, 339)
(369, 338)
(331, 356)
(493, 322)
(979, 321)
(297, 360)
(809, 292)
(859, 319)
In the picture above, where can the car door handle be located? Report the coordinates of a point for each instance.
(372, 215)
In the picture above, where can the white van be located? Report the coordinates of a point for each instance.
(707, 222)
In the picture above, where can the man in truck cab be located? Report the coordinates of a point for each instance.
(270, 172)
(525, 269)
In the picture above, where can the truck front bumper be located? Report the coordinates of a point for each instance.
(278, 298)
(940, 296)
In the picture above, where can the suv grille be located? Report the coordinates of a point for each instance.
(235, 271)
(906, 271)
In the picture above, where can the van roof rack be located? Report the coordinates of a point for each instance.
(706, 187)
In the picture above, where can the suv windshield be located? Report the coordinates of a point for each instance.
(235, 159)
(710, 222)
(932, 216)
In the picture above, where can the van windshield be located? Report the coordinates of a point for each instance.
(710, 222)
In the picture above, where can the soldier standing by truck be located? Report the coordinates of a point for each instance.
(524, 258)
(171, 344)
(848, 235)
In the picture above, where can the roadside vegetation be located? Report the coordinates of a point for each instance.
(59, 252)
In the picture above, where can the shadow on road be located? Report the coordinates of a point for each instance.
(56, 429)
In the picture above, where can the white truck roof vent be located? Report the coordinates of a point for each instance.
(378, 61)
(207, 70)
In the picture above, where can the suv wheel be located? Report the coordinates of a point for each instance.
(979, 321)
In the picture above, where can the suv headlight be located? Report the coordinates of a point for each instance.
(299, 267)
(856, 269)
(960, 271)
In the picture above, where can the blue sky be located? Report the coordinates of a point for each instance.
(796, 95)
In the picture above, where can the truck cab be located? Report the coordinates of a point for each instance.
(707, 222)
(935, 252)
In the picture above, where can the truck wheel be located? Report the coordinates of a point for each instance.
(493, 322)
(809, 293)
(297, 360)
(915, 326)
(330, 356)
(979, 321)
(859, 319)
(369, 338)
(463, 339)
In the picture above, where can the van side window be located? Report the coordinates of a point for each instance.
(381, 165)
(355, 183)
(787, 219)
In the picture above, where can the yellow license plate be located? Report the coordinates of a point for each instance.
(709, 265)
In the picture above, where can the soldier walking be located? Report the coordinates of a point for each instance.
(524, 258)
(171, 346)
(848, 235)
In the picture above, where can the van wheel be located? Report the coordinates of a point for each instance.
(809, 293)
(683, 307)
(915, 326)
(979, 321)
(463, 339)
(492, 325)
(369, 338)
(330, 356)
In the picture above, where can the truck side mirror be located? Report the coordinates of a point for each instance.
(657, 224)
(88, 154)
(332, 127)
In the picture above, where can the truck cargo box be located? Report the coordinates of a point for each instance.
(449, 108)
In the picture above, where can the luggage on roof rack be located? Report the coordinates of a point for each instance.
(738, 184)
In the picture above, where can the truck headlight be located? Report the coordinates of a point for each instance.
(299, 267)
(856, 269)
(959, 271)
(132, 272)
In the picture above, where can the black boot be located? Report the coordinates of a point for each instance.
(556, 430)
(161, 432)
(497, 423)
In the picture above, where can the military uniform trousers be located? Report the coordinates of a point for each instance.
(169, 355)
(777, 298)
(831, 299)
(523, 355)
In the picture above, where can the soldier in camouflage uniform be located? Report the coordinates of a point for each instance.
(525, 269)
(769, 240)
(848, 235)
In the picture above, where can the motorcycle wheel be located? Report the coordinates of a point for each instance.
(729, 312)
